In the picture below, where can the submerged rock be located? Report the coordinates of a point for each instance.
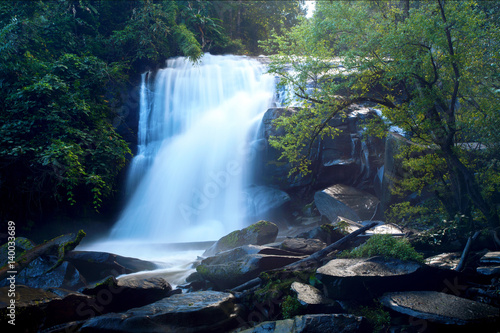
(441, 308)
(204, 311)
(313, 323)
(260, 233)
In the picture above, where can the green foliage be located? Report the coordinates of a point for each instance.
(377, 317)
(387, 246)
(290, 307)
(431, 68)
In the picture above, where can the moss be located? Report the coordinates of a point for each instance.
(377, 317)
(230, 240)
(387, 246)
(290, 307)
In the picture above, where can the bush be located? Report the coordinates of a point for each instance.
(387, 246)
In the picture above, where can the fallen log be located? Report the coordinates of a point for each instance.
(58, 246)
(314, 258)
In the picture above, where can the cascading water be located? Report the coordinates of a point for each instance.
(194, 151)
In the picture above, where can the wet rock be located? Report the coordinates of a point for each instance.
(362, 203)
(444, 260)
(95, 266)
(22, 244)
(302, 246)
(37, 309)
(313, 323)
(345, 279)
(490, 264)
(327, 233)
(129, 291)
(441, 308)
(234, 267)
(204, 311)
(260, 233)
(489, 270)
(264, 199)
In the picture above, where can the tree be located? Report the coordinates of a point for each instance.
(431, 67)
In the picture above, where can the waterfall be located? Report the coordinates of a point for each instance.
(194, 149)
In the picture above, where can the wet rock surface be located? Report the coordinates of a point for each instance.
(205, 311)
(441, 308)
(302, 246)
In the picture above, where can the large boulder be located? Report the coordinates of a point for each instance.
(443, 308)
(313, 323)
(346, 158)
(348, 279)
(204, 311)
(234, 267)
(95, 266)
(327, 233)
(129, 291)
(260, 233)
(264, 200)
(302, 246)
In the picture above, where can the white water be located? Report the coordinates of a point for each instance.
(194, 152)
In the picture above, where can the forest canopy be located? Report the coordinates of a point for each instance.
(431, 68)
(63, 66)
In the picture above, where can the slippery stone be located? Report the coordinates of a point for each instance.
(204, 311)
(313, 323)
(441, 308)
(491, 258)
(260, 233)
(345, 279)
(234, 267)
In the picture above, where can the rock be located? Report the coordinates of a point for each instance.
(490, 258)
(259, 233)
(345, 279)
(444, 260)
(327, 233)
(313, 323)
(313, 299)
(129, 291)
(441, 308)
(22, 244)
(234, 267)
(362, 203)
(264, 199)
(204, 311)
(302, 246)
(488, 270)
(37, 309)
(37, 275)
(95, 266)
(332, 209)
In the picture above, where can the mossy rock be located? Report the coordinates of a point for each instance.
(260, 233)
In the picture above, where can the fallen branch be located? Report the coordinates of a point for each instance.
(59, 246)
(313, 258)
(465, 253)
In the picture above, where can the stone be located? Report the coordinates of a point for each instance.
(313, 300)
(37, 309)
(264, 199)
(444, 260)
(488, 270)
(441, 308)
(327, 233)
(234, 267)
(362, 203)
(491, 258)
(259, 233)
(313, 323)
(129, 291)
(345, 279)
(302, 246)
(203, 311)
(332, 209)
(95, 266)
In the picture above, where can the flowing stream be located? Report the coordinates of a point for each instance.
(194, 155)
